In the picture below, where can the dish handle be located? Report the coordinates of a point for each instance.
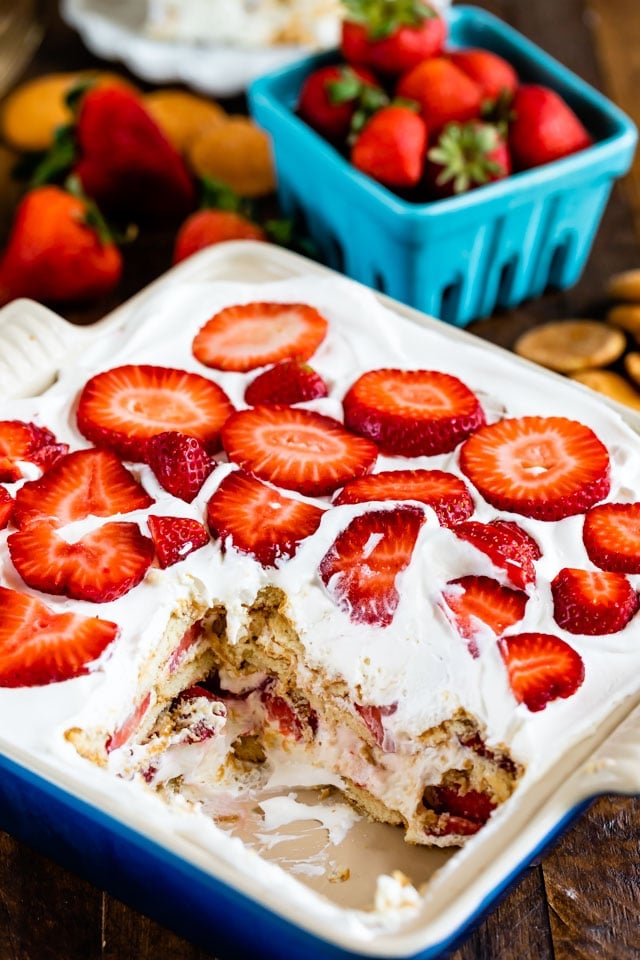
(34, 344)
(614, 767)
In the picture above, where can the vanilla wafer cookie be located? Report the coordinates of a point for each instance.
(611, 384)
(570, 345)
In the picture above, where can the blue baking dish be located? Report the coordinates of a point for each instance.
(460, 258)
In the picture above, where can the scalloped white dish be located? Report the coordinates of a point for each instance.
(115, 31)
(211, 886)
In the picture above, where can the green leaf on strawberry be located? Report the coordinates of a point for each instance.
(383, 17)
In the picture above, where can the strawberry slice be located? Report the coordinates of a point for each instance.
(296, 448)
(593, 602)
(180, 463)
(251, 335)
(38, 646)
(26, 441)
(101, 566)
(445, 493)
(290, 381)
(361, 567)
(81, 484)
(507, 545)
(258, 520)
(469, 805)
(175, 538)
(6, 507)
(542, 467)
(541, 667)
(411, 413)
(472, 598)
(121, 408)
(611, 535)
(373, 719)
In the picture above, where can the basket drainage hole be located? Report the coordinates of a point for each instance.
(332, 251)
(558, 263)
(379, 282)
(507, 275)
(450, 301)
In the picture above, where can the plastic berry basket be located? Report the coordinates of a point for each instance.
(460, 258)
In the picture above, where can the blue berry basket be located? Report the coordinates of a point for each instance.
(460, 258)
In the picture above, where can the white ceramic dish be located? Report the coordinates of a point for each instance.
(91, 822)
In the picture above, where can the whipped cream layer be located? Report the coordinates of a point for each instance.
(419, 663)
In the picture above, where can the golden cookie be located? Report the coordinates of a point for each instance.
(34, 110)
(627, 317)
(625, 285)
(183, 116)
(570, 345)
(610, 384)
(237, 152)
(632, 366)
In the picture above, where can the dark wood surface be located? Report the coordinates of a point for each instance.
(582, 901)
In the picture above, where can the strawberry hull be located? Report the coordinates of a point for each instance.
(458, 258)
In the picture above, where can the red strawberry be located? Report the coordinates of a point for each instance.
(482, 598)
(411, 413)
(541, 667)
(450, 826)
(389, 36)
(282, 715)
(175, 538)
(445, 493)
(544, 128)
(466, 156)
(6, 507)
(84, 483)
(289, 381)
(258, 520)
(542, 467)
(373, 719)
(391, 147)
(204, 228)
(507, 545)
(592, 602)
(129, 726)
(468, 804)
(330, 96)
(444, 92)
(125, 162)
(361, 567)
(38, 646)
(121, 408)
(611, 535)
(180, 463)
(296, 448)
(100, 567)
(56, 251)
(26, 441)
(251, 335)
(492, 73)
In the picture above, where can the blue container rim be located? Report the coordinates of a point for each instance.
(621, 140)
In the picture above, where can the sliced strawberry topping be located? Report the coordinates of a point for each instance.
(296, 448)
(412, 412)
(361, 567)
(611, 536)
(593, 602)
(121, 408)
(26, 441)
(259, 520)
(175, 538)
(252, 335)
(445, 493)
(541, 668)
(100, 567)
(470, 804)
(507, 545)
(39, 646)
(81, 484)
(180, 463)
(6, 507)
(481, 598)
(289, 381)
(373, 719)
(542, 467)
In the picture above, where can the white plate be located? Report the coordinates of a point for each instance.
(113, 30)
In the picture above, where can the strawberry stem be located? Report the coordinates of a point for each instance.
(383, 17)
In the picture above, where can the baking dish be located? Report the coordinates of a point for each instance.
(155, 860)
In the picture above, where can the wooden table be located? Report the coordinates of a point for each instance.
(582, 901)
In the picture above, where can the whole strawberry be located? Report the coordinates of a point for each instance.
(444, 92)
(330, 96)
(466, 156)
(544, 128)
(58, 250)
(491, 72)
(391, 35)
(391, 147)
(204, 228)
(124, 160)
